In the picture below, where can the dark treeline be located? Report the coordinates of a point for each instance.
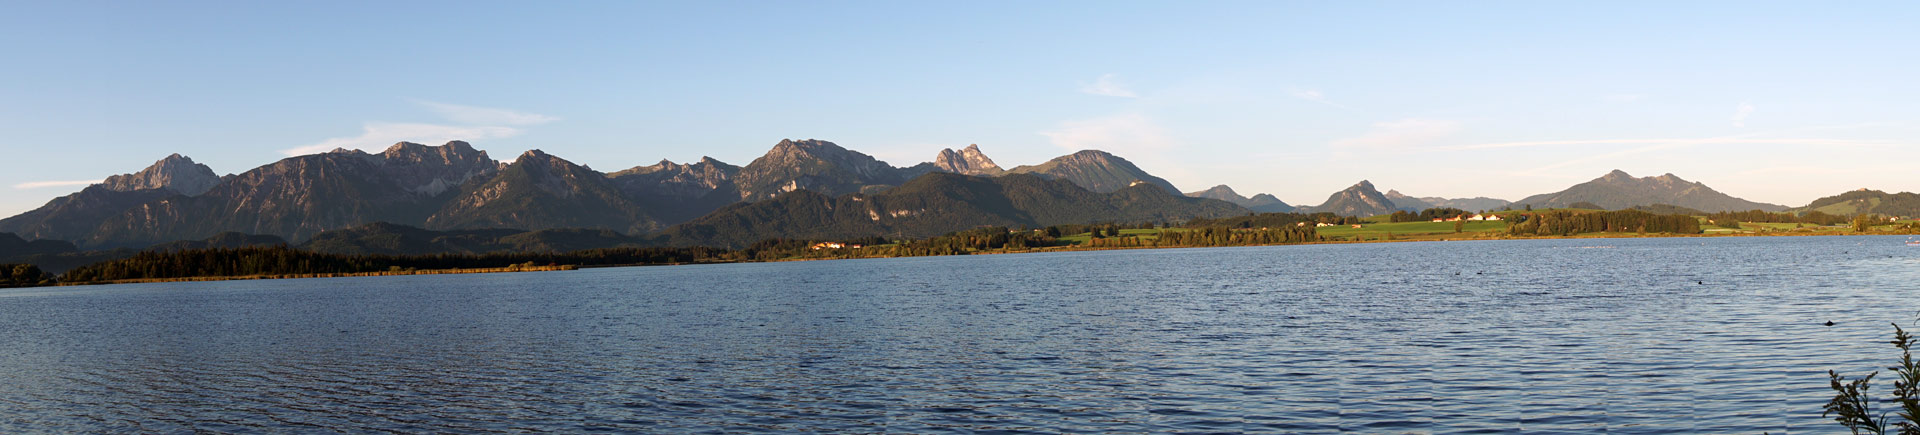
(282, 260)
(1566, 223)
(22, 275)
(1427, 215)
(1812, 217)
(1272, 220)
(1223, 236)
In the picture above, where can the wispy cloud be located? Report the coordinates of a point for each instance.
(1404, 133)
(472, 115)
(46, 184)
(377, 135)
(467, 123)
(1740, 114)
(1129, 133)
(1108, 85)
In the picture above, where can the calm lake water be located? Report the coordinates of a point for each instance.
(1719, 335)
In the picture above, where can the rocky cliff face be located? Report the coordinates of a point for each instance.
(175, 172)
(968, 161)
(426, 170)
(1359, 200)
(1096, 171)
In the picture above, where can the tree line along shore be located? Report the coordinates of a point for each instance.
(281, 261)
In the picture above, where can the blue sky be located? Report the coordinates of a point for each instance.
(1774, 102)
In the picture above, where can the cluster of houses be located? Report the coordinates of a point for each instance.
(1475, 217)
(835, 245)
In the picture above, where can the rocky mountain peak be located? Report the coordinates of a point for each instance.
(430, 170)
(969, 161)
(175, 172)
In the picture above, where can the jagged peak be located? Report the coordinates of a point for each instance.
(535, 154)
(403, 145)
(1363, 184)
(971, 147)
(790, 145)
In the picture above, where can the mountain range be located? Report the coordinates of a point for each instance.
(454, 187)
(454, 198)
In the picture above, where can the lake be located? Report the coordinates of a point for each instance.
(1684, 335)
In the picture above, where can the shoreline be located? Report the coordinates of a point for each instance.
(509, 269)
(1053, 249)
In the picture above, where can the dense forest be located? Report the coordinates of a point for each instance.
(1567, 223)
(1427, 215)
(281, 260)
(22, 275)
(1223, 236)
(1811, 217)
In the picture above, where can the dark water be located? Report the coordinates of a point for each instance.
(1719, 335)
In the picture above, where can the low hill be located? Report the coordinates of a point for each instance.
(1618, 190)
(1259, 203)
(223, 240)
(1867, 201)
(393, 239)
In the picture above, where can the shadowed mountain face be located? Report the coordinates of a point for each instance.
(814, 165)
(1261, 203)
(294, 197)
(75, 216)
(1096, 171)
(939, 203)
(675, 193)
(1360, 200)
(539, 191)
(1618, 190)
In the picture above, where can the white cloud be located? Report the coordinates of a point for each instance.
(472, 115)
(1405, 133)
(379, 135)
(469, 123)
(1109, 86)
(1121, 134)
(1740, 114)
(46, 184)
